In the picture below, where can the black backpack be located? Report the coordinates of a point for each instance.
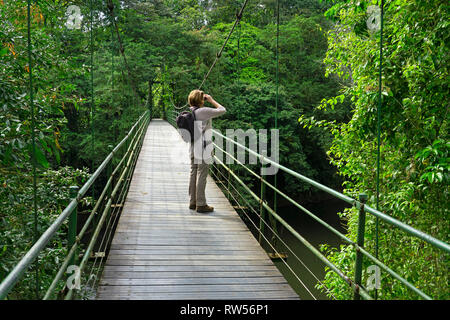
(185, 120)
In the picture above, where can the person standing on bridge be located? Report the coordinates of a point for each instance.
(200, 149)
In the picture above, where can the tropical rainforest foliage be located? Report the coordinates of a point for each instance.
(150, 54)
(414, 177)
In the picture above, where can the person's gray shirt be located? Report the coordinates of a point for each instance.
(205, 115)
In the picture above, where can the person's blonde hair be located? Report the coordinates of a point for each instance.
(196, 98)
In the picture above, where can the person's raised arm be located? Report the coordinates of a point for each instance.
(212, 101)
(208, 113)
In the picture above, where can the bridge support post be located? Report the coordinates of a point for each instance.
(150, 97)
(359, 257)
(72, 232)
(262, 210)
(228, 183)
(109, 171)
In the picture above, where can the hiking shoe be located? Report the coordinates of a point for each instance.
(192, 206)
(204, 209)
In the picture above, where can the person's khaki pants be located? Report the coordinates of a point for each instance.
(197, 183)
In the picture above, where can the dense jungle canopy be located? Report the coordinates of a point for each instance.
(327, 109)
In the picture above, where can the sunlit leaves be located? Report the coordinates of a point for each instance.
(414, 126)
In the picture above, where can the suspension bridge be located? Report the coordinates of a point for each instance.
(163, 250)
(160, 249)
(141, 241)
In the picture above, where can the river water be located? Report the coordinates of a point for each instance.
(314, 233)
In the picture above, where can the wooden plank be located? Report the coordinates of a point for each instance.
(198, 257)
(125, 227)
(186, 227)
(175, 241)
(190, 268)
(182, 247)
(160, 219)
(178, 224)
(243, 295)
(195, 288)
(218, 212)
(193, 250)
(189, 281)
(203, 234)
(201, 238)
(231, 263)
(187, 274)
(192, 217)
(182, 231)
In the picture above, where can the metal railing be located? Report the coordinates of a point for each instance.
(115, 190)
(356, 283)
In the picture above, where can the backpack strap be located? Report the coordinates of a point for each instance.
(195, 118)
(203, 129)
(193, 112)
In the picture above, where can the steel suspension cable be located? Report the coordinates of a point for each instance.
(106, 236)
(136, 142)
(276, 94)
(33, 142)
(379, 132)
(243, 165)
(273, 231)
(126, 79)
(133, 85)
(114, 216)
(238, 52)
(119, 203)
(112, 99)
(267, 240)
(92, 88)
(219, 54)
(112, 76)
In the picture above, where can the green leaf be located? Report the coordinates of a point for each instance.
(431, 177)
(40, 157)
(56, 154)
(3, 51)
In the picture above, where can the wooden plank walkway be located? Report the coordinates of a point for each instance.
(163, 250)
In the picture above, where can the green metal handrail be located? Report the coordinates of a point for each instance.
(130, 153)
(360, 204)
(357, 287)
(414, 232)
(131, 141)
